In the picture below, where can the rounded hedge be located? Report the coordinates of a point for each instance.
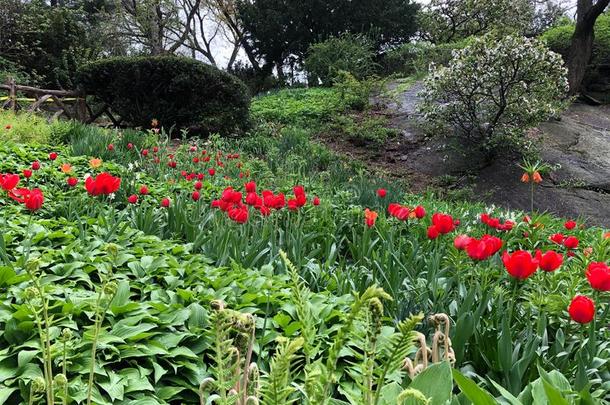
(559, 39)
(174, 90)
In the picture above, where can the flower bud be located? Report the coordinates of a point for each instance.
(66, 334)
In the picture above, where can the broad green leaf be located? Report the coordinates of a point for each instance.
(435, 382)
(473, 392)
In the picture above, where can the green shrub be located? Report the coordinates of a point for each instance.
(414, 58)
(175, 90)
(558, 39)
(348, 53)
(495, 89)
(26, 127)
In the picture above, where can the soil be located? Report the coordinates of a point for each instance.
(578, 144)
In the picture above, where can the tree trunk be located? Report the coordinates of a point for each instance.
(582, 41)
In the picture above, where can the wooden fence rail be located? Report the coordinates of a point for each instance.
(72, 104)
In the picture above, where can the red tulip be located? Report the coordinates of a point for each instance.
(9, 181)
(569, 225)
(27, 173)
(316, 201)
(549, 261)
(381, 193)
(461, 241)
(484, 248)
(144, 152)
(582, 309)
(33, 199)
(571, 242)
(198, 185)
(558, 238)
(110, 147)
(250, 187)
(103, 184)
(132, 199)
(165, 202)
(239, 214)
(130, 146)
(598, 275)
(144, 190)
(420, 212)
(72, 181)
(520, 264)
(171, 164)
(443, 223)
(432, 232)
(35, 165)
(155, 149)
(195, 196)
(52, 155)
(212, 172)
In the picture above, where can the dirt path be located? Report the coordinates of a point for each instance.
(579, 143)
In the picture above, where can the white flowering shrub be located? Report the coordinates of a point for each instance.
(495, 89)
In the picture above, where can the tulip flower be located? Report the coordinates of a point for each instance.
(549, 261)
(370, 217)
(520, 264)
(102, 184)
(52, 156)
(557, 238)
(569, 225)
(582, 309)
(381, 193)
(420, 212)
(461, 242)
(432, 232)
(35, 165)
(444, 223)
(132, 199)
(72, 181)
(571, 242)
(195, 196)
(316, 201)
(27, 173)
(144, 190)
(598, 274)
(9, 181)
(165, 202)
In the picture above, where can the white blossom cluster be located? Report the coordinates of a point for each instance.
(495, 87)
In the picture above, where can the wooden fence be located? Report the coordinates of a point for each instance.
(71, 104)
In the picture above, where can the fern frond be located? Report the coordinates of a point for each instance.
(396, 350)
(300, 297)
(276, 388)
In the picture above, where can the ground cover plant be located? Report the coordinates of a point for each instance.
(267, 269)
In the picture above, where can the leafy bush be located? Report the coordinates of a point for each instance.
(452, 20)
(494, 89)
(26, 127)
(174, 90)
(348, 53)
(256, 81)
(415, 58)
(559, 39)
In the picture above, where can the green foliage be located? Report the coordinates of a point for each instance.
(174, 90)
(275, 36)
(415, 58)
(495, 89)
(46, 42)
(363, 129)
(453, 20)
(302, 106)
(26, 127)
(349, 53)
(559, 38)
